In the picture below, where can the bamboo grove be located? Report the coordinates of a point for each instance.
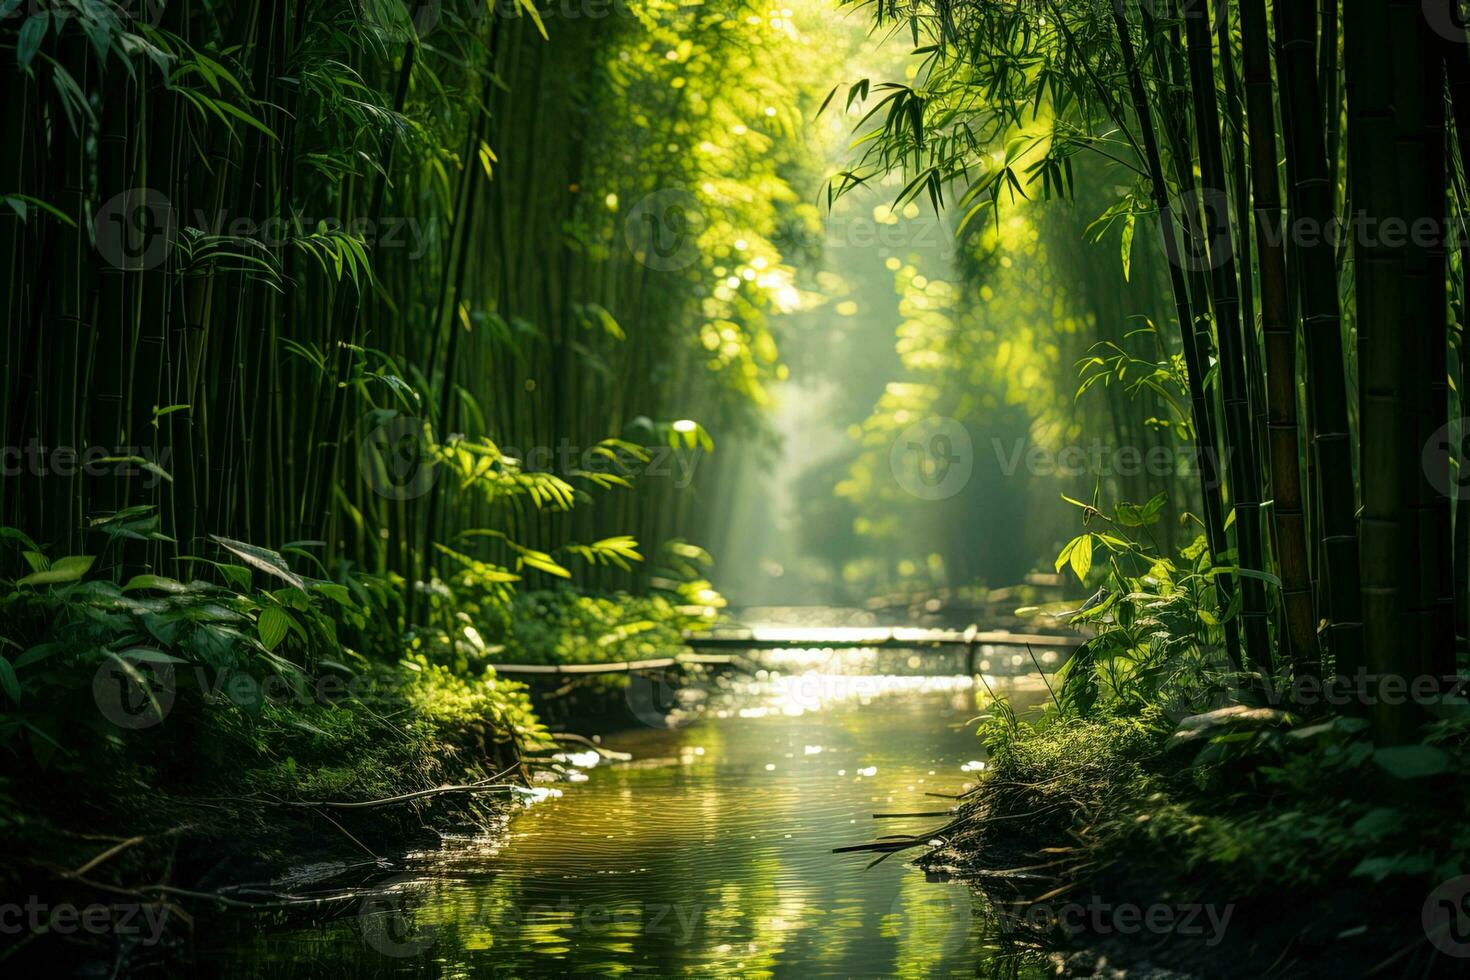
(387, 286)
(1300, 169)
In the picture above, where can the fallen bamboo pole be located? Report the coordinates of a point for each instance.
(857, 637)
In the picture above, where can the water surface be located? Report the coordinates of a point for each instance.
(709, 853)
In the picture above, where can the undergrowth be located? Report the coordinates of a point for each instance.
(198, 714)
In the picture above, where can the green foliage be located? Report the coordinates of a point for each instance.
(562, 627)
(63, 626)
(1130, 794)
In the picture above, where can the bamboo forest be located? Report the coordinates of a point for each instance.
(735, 488)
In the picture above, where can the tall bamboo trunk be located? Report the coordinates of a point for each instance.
(1386, 157)
(1310, 200)
(1240, 449)
(1195, 358)
(345, 322)
(1457, 71)
(1433, 504)
(1287, 509)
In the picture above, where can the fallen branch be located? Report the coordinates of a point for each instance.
(123, 845)
(619, 667)
(584, 740)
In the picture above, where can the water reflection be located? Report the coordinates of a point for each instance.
(709, 853)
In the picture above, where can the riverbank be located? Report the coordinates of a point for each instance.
(1233, 844)
(177, 815)
(201, 776)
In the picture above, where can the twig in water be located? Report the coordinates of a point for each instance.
(922, 813)
(404, 798)
(348, 835)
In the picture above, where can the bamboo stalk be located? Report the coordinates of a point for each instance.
(1194, 357)
(1310, 201)
(1239, 431)
(1288, 511)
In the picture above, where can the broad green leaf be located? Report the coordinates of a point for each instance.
(337, 593)
(1081, 557)
(36, 654)
(158, 583)
(8, 680)
(1413, 761)
(273, 626)
(32, 33)
(69, 569)
(1065, 554)
(16, 535)
(1379, 868)
(261, 559)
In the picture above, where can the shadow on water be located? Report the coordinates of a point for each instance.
(708, 853)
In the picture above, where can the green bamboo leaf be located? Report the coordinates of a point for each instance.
(36, 654)
(827, 101)
(151, 656)
(21, 204)
(16, 535)
(142, 463)
(1127, 246)
(246, 118)
(529, 6)
(543, 562)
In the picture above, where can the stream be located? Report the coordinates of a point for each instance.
(709, 852)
